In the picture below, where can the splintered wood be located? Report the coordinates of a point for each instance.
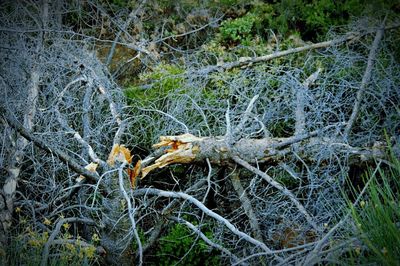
(90, 167)
(182, 150)
(122, 154)
(119, 153)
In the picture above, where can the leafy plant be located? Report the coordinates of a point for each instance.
(239, 29)
(180, 246)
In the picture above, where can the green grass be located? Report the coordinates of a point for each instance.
(377, 217)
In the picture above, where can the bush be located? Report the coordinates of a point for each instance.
(238, 30)
(27, 250)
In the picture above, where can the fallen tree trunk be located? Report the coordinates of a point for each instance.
(186, 148)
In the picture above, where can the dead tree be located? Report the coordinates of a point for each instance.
(284, 138)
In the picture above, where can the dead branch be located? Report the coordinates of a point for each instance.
(246, 204)
(187, 148)
(246, 115)
(265, 58)
(365, 79)
(166, 212)
(300, 103)
(131, 211)
(203, 208)
(116, 115)
(19, 144)
(92, 154)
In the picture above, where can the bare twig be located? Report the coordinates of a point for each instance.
(116, 115)
(131, 16)
(189, 32)
(201, 206)
(170, 116)
(208, 180)
(92, 154)
(51, 149)
(246, 115)
(300, 103)
(281, 188)
(265, 58)
(314, 255)
(166, 212)
(228, 134)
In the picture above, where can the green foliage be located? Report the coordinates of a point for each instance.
(165, 79)
(378, 217)
(154, 91)
(180, 246)
(119, 3)
(239, 29)
(312, 19)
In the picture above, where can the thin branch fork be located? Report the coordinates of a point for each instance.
(246, 204)
(301, 102)
(71, 162)
(281, 188)
(131, 212)
(116, 115)
(203, 208)
(165, 213)
(92, 154)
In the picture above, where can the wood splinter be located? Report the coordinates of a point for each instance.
(182, 151)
